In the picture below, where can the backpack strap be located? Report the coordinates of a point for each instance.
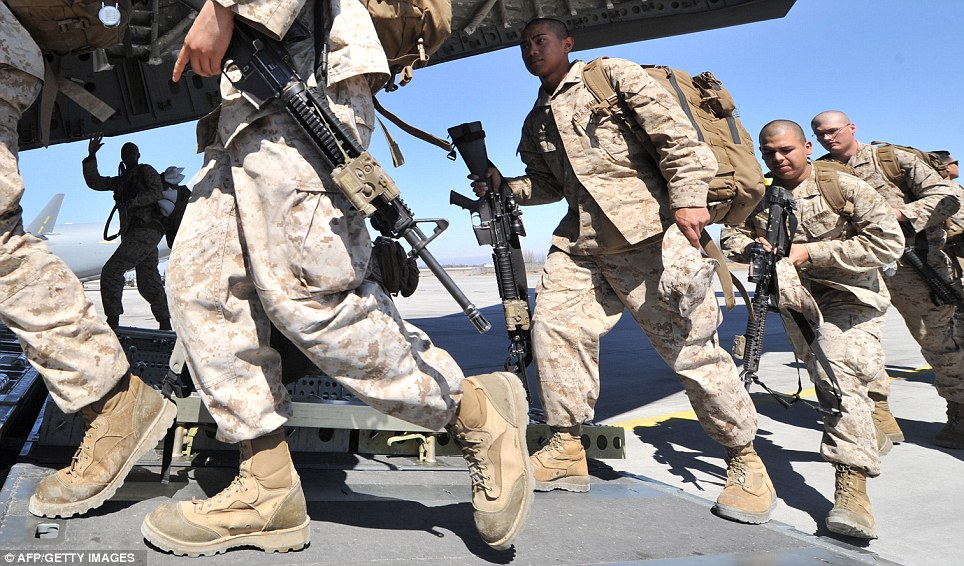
(726, 277)
(887, 158)
(409, 129)
(826, 174)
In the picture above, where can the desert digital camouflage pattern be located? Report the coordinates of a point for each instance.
(41, 300)
(268, 237)
(843, 277)
(935, 327)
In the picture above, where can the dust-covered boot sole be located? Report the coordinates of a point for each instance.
(155, 434)
(281, 540)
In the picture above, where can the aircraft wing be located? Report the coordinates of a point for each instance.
(127, 88)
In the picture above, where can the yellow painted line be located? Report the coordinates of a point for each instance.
(809, 393)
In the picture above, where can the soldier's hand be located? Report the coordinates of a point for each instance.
(767, 247)
(94, 144)
(206, 42)
(900, 215)
(480, 187)
(691, 222)
(799, 255)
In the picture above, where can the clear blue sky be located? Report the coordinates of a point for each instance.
(893, 65)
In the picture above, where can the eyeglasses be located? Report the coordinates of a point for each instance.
(951, 163)
(831, 133)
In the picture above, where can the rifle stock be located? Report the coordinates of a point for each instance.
(497, 222)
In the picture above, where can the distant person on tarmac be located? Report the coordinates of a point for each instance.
(137, 190)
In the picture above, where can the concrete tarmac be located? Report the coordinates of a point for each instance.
(917, 500)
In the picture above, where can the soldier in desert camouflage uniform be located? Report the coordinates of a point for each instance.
(137, 189)
(610, 253)
(838, 259)
(924, 201)
(269, 238)
(44, 304)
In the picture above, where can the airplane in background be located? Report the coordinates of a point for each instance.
(81, 246)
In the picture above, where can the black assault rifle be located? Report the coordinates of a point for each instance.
(781, 225)
(261, 68)
(941, 289)
(497, 222)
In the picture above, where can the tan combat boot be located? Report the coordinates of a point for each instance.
(884, 443)
(561, 464)
(884, 420)
(748, 496)
(122, 426)
(263, 507)
(851, 514)
(490, 428)
(952, 435)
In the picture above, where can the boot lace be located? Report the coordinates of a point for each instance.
(84, 450)
(845, 486)
(736, 470)
(476, 460)
(238, 485)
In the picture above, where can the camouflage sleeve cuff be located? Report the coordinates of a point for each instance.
(688, 197)
(272, 16)
(820, 254)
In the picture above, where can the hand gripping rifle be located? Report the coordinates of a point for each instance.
(497, 222)
(261, 68)
(943, 292)
(781, 225)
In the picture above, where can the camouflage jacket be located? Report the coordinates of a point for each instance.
(136, 194)
(845, 253)
(17, 48)
(353, 49)
(617, 195)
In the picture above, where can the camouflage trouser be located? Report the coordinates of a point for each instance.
(580, 298)
(41, 300)
(137, 251)
(269, 238)
(850, 338)
(939, 333)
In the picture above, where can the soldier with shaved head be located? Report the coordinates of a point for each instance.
(837, 256)
(923, 201)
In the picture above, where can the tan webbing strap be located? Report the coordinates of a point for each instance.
(888, 163)
(397, 158)
(600, 87)
(48, 95)
(97, 107)
(409, 129)
(727, 279)
(826, 174)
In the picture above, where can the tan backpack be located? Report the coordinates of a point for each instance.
(410, 31)
(738, 185)
(70, 26)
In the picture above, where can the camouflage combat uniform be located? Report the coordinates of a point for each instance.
(41, 300)
(843, 277)
(268, 238)
(935, 328)
(608, 252)
(141, 231)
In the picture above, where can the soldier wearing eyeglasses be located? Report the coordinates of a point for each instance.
(922, 200)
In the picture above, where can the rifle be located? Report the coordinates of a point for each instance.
(497, 222)
(781, 224)
(941, 290)
(261, 68)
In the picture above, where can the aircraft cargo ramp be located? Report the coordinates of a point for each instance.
(650, 505)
